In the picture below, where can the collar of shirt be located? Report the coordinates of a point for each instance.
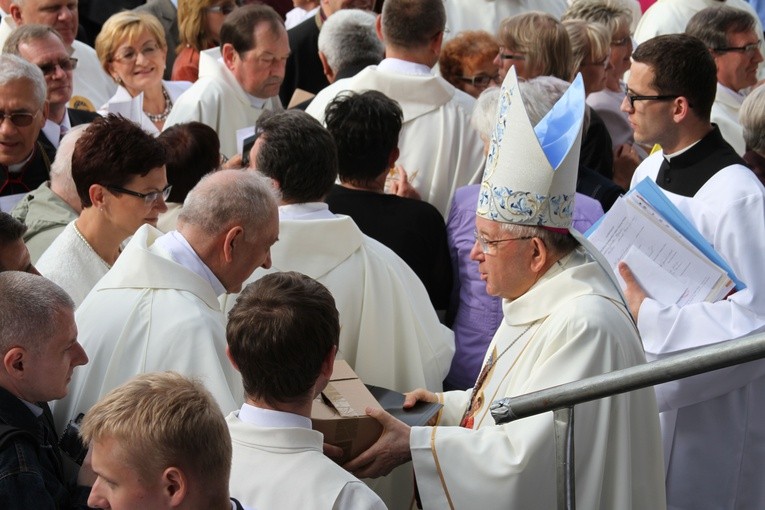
(271, 418)
(36, 410)
(16, 167)
(175, 4)
(738, 96)
(256, 102)
(395, 65)
(53, 131)
(181, 252)
(307, 211)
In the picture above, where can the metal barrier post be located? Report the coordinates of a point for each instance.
(563, 422)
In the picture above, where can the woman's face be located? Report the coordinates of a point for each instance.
(215, 15)
(128, 212)
(506, 58)
(621, 51)
(139, 64)
(594, 71)
(478, 74)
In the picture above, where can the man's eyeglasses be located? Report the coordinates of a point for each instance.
(224, 9)
(487, 247)
(148, 198)
(19, 119)
(66, 65)
(129, 55)
(632, 98)
(481, 81)
(749, 49)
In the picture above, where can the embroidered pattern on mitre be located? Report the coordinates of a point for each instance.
(530, 173)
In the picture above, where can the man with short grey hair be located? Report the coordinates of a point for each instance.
(23, 163)
(39, 350)
(92, 87)
(167, 315)
(47, 210)
(732, 38)
(438, 147)
(348, 44)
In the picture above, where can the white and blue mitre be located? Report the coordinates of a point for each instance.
(530, 174)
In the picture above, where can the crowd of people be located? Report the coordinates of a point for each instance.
(206, 203)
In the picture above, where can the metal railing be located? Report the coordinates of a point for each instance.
(562, 399)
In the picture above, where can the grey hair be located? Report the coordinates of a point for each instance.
(29, 307)
(712, 25)
(61, 168)
(560, 244)
(485, 112)
(14, 68)
(26, 33)
(348, 38)
(752, 118)
(607, 12)
(228, 197)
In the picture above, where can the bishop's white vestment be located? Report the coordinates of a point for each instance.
(570, 325)
(440, 150)
(149, 314)
(218, 100)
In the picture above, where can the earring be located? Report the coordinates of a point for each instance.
(118, 79)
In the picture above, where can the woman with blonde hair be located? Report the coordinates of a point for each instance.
(536, 44)
(199, 23)
(132, 49)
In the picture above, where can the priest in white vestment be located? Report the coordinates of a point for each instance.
(157, 308)
(564, 320)
(439, 149)
(390, 333)
(282, 337)
(234, 92)
(713, 425)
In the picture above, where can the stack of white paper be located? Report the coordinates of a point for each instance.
(672, 267)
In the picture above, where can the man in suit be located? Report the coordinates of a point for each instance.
(166, 12)
(43, 46)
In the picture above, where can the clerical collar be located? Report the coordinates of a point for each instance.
(396, 65)
(669, 157)
(271, 418)
(256, 102)
(17, 167)
(307, 211)
(181, 252)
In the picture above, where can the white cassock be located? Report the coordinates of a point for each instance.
(488, 14)
(291, 451)
(713, 425)
(389, 332)
(439, 149)
(570, 325)
(174, 90)
(725, 114)
(149, 314)
(218, 100)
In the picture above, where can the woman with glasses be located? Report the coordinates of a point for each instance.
(119, 172)
(468, 62)
(132, 49)
(199, 23)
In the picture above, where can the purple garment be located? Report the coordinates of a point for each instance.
(473, 315)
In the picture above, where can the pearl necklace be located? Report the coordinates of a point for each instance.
(160, 117)
(82, 238)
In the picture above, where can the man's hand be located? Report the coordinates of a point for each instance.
(234, 163)
(389, 452)
(421, 395)
(626, 160)
(634, 292)
(333, 452)
(400, 186)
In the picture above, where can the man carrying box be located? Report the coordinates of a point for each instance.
(282, 336)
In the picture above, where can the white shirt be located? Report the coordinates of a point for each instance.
(53, 130)
(272, 418)
(181, 252)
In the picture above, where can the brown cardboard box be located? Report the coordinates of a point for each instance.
(340, 413)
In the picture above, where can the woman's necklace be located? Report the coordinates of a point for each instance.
(161, 117)
(82, 238)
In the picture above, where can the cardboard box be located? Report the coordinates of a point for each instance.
(340, 413)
